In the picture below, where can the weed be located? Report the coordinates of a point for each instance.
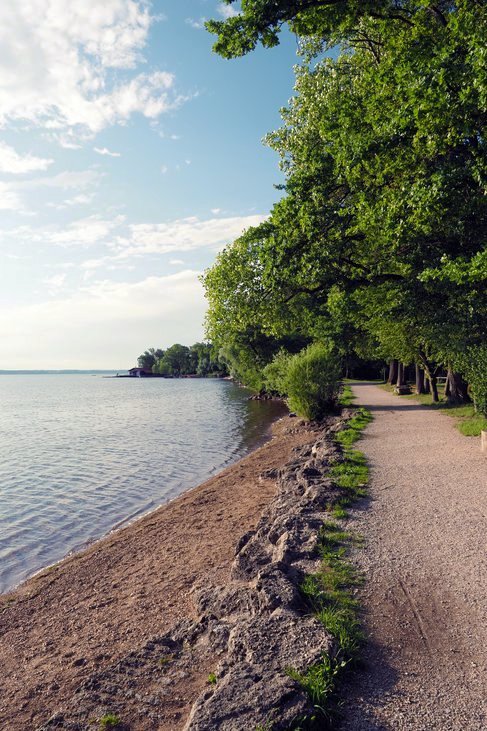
(319, 682)
(212, 679)
(165, 660)
(109, 721)
(266, 726)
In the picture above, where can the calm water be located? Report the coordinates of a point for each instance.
(79, 454)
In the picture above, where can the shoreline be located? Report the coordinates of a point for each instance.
(81, 614)
(145, 511)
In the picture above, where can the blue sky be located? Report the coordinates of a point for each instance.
(129, 155)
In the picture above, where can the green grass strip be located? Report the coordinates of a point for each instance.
(330, 592)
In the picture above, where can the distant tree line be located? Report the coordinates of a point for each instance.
(200, 359)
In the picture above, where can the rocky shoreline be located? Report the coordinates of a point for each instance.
(250, 630)
(93, 610)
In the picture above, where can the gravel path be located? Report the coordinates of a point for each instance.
(425, 564)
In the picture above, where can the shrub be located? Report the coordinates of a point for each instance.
(473, 365)
(275, 373)
(312, 381)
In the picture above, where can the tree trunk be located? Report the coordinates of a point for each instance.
(400, 375)
(434, 389)
(431, 371)
(420, 385)
(427, 388)
(457, 390)
(447, 385)
(393, 368)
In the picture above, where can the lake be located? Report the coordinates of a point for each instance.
(82, 454)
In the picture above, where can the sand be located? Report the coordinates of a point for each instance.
(90, 610)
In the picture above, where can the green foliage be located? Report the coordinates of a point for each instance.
(330, 593)
(380, 239)
(200, 359)
(312, 381)
(353, 430)
(260, 21)
(149, 358)
(109, 721)
(473, 364)
(212, 679)
(319, 682)
(347, 396)
(276, 372)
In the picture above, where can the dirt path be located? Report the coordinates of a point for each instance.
(90, 611)
(425, 563)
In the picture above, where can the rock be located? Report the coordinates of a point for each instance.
(257, 625)
(243, 699)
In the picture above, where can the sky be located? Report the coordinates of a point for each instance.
(130, 154)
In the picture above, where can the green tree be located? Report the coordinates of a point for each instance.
(148, 358)
(384, 216)
(176, 360)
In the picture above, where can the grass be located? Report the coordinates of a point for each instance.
(165, 660)
(473, 426)
(212, 679)
(330, 592)
(469, 423)
(109, 721)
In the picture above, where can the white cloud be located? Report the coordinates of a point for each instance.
(146, 239)
(12, 162)
(227, 11)
(79, 200)
(176, 262)
(196, 23)
(103, 324)
(216, 211)
(164, 169)
(9, 198)
(106, 151)
(55, 283)
(12, 193)
(123, 241)
(61, 64)
(84, 232)
(185, 234)
(65, 180)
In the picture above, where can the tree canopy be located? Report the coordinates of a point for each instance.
(200, 359)
(380, 238)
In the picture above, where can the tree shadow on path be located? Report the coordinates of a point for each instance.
(367, 687)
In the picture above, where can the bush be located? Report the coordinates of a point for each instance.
(275, 373)
(473, 366)
(310, 379)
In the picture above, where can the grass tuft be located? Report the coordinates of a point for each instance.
(109, 721)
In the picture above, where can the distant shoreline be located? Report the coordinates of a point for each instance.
(62, 372)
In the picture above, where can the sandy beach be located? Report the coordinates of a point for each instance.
(95, 607)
